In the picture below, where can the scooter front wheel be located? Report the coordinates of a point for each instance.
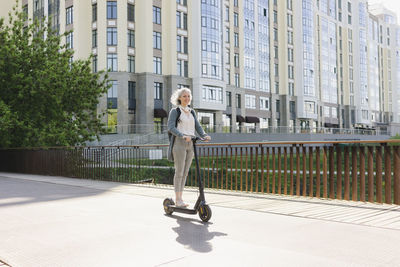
(205, 213)
(167, 203)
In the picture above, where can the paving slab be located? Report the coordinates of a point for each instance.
(58, 221)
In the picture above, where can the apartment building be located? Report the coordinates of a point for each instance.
(252, 63)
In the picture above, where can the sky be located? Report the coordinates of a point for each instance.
(393, 5)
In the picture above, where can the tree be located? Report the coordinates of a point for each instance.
(45, 98)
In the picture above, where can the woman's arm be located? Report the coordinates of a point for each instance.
(171, 123)
(198, 127)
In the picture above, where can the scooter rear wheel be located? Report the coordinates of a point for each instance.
(167, 203)
(205, 213)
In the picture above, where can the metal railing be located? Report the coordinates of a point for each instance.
(350, 170)
(248, 128)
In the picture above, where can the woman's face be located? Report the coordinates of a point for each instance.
(185, 99)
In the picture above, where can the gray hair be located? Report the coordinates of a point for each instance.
(177, 94)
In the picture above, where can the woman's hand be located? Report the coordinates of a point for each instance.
(207, 138)
(187, 138)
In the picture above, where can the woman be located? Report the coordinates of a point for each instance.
(182, 125)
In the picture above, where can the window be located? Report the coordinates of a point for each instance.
(278, 105)
(235, 3)
(204, 45)
(238, 101)
(289, 4)
(131, 38)
(309, 107)
(184, 21)
(290, 72)
(157, 65)
(276, 68)
(228, 99)
(69, 15)
(131, 95)
(292, 106)
(203, 21)
(178, 19)
(111, 9)
(179, 43)
(185, 45)
(185, 68)
(291, 88)
(111, 36)
(290, 20)
(204, 68)
(131, 13)
(237, 80)
(290, 54)
(157, 40)
(158, 90)
(70, 40)
(236, 19)
(156, 15)
(131, 64)
(94, 38)
(179, 67)
(236, 39)
(94, 12)
(112, 95)
(236, 60)
(112, 62)
(226, 13)
(250, 101)
(264, 103)
(212, 94)
(94, 64)
(214, 70)
(227, 35)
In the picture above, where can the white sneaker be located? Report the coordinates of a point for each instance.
(181, 204)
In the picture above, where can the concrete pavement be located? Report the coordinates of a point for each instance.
(56, 221)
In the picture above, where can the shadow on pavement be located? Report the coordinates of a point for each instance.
(194, 234)
(24, 191)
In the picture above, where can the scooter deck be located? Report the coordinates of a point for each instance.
(182, 209)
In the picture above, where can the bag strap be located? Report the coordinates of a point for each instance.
(178, 110)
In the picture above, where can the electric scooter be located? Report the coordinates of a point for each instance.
(200, 207)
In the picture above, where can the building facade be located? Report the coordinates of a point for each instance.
(252, 65)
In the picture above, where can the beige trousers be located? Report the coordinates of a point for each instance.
(183, 156)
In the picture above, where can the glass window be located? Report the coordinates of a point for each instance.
(228, 99)
(131, 38)
(94, 38)
(112, 36)
(112, 95)
(158, 90)
(178, 19)
(112, 62)
(236, 19)
(179, 43)
(70, 40)
(111, 9)
(157, 65)
(131, 94)
(69, 15)
(157, 40)
(94, 64)
(131, 12)
(156, 15)
(94, 12)
(131, 64)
